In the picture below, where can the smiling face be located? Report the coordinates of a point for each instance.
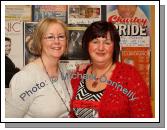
(54, 41)
(7, 47)
(101, 49)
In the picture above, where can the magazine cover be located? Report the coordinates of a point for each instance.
(29, 28)
(132, 22)
(18, 12)
(43, 11)
(75, 51)
(140, 58)
(83, 14)
(14, 36)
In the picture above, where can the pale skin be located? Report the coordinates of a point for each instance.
(126, 11)
(52, 50)
(101, 52)
(7, 47)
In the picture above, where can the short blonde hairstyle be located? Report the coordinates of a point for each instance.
(40, 30)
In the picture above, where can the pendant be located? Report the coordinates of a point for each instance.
(94, 84)
(54, 79)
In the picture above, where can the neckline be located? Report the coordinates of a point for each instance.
(103, 90)
(89, 91)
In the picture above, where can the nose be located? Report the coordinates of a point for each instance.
(101, 46)
(56, 40)
(128, 10)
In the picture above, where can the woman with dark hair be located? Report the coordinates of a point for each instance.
(107, 88)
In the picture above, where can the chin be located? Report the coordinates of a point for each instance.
(58, 56)
(99, 60)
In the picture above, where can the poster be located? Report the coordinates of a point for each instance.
(18, 12)
(29, 28)
(139, 57)
(75, 50)
(132, 23)
(14, 32)
(43, 11)
(83, 14)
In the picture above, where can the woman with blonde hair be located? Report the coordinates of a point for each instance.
(38, 89)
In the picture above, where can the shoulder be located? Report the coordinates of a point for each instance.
(129, 74)
(139, 10)
(139, 13)
(25, 77)
(124, 66)
(126, 70)
(8, 61)
(27, 70)
(111, 14)
(7, 58)
(75, 81)
(114, 12)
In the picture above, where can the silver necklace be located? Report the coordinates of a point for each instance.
(55, 87)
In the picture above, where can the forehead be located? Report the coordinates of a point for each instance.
(55, 28)
(126, 6)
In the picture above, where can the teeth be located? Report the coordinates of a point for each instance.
(56, 48)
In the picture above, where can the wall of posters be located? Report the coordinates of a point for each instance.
(132, 21)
